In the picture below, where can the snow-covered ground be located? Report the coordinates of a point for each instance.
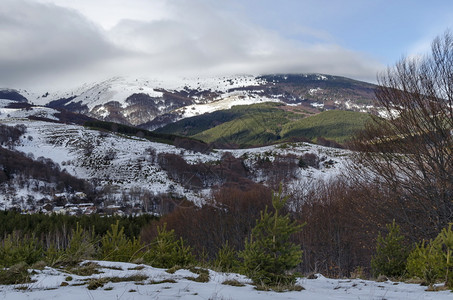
(55, 284)
(120, 88)
(128, 163)
(227, 101)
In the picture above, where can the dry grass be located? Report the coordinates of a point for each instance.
(203, 275)
(233, 282)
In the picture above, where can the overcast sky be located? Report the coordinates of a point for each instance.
(50, 44)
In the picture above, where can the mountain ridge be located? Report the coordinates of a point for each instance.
(154, 103)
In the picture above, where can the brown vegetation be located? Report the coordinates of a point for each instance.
(228, 217)
(410, 151)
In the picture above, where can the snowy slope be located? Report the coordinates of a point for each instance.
(156, 102)
(227, 101)
(137, 100)
(17, 113)
(48, 285)
(126, 163)
(65, 145)
(120, 88)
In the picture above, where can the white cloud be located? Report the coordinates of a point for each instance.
(107, 13)
(47, 44)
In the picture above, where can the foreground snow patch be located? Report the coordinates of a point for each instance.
(160, 284)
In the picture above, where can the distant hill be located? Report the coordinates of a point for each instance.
(154, 103)
(263, 124)
(333, 91)
(335, 125)
(10, 94)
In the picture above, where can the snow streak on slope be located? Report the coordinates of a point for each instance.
(153, 283)
(227, 101)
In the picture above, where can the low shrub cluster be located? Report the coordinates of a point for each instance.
(431, 262)
(17, 253)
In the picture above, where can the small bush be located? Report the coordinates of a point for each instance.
(358, 273)
(16, 274)
(96, 283)
(203, 275)
(115, 246)
(227, 259)
(162, 281)
(280, 288)
(16, 249)
(173, 269)
(166, 251)
(87, 269)
(39, 265)
(233, 282)
(137, 277)
(137, 268)
(391, 253)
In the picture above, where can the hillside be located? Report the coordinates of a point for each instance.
(267, 123)
(334, 125)
(153, 103)
(130, 170)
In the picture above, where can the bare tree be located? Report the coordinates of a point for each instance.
(408, 149)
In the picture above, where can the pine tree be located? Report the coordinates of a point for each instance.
(16, 249)
(445, 238)
(116, 246)
(227, 258)
(269, 254)
(434, 260)
(426, 262)
(81, 246)
(167, 251)
(391, 253)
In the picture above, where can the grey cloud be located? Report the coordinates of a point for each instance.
(46, 44)
(232, 47)
(40, 41)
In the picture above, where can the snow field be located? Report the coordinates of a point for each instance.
(159, 284)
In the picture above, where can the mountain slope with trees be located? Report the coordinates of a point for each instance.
(268, 123)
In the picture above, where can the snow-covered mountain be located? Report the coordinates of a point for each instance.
(120, 165)
(153, 103)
